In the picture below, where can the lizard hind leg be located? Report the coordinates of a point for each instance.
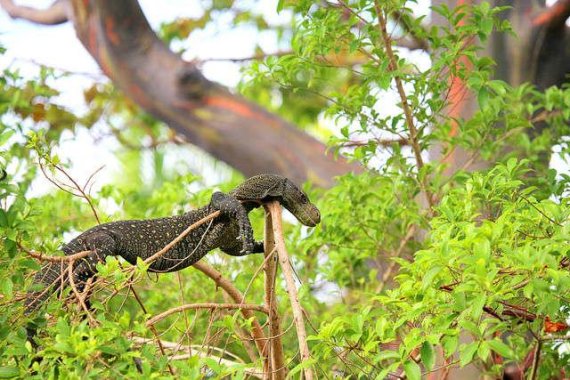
(231, 207)
(102, 245)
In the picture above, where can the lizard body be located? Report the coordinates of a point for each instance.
(230, 231)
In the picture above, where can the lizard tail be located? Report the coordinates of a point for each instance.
(49, 279)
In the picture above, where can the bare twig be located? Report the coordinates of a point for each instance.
(153, 330)
(414, 138)
(388, 272)
(181, 236)
(79, 297)
(255, 57)
(209, 305)
(275, 212)
(54, 259)
(536, 360)
(415, 42)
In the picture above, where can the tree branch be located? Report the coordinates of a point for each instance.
(120, 39)
(414, 138)
(209, 305)
(57, 13)
(278, 367)
(275, 212)
(234, 293)
(554, 16)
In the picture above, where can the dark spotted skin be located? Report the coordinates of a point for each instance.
(131, 239)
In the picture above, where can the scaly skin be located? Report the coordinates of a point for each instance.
(131, 239)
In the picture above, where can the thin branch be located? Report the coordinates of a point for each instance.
(388, 273)
(153, 330)
(536, 360)
(54, 259)
(416, 42)
(182, 235)
(275, 212)
(58, 13)
(381, 142)
(255, 57)
(414, 138)
(234, 293)
(270, 267)
(208, 305)
(79, 297)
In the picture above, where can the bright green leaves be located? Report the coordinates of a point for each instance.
(427, 355)
(412, 370)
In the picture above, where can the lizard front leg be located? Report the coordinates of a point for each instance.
(232, 208)
(272, 187)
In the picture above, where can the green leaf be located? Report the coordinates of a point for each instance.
(7, 288)
(501, 348)
(428, 278)
(467, 353)
(428, 355)
(483, 97)
(9, 372)
(412, 370)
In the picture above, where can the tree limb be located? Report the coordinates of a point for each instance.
(57, 13)
(278, 367)
(120, 39)
(275, 212)
(554, 16)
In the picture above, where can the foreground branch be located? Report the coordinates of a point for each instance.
(278, 366)
(235, 294)
(209, 305)
(275, 212)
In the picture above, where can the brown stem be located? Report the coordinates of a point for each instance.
(536, 360)
(278, 367)
(55, 259)
(182, 235)
(79, 297)
(209, 305)
(393, 66)
(275, 212)
(153, 330)
(234, 293)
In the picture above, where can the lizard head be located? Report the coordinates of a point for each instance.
(267, 187)
(297, 202)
